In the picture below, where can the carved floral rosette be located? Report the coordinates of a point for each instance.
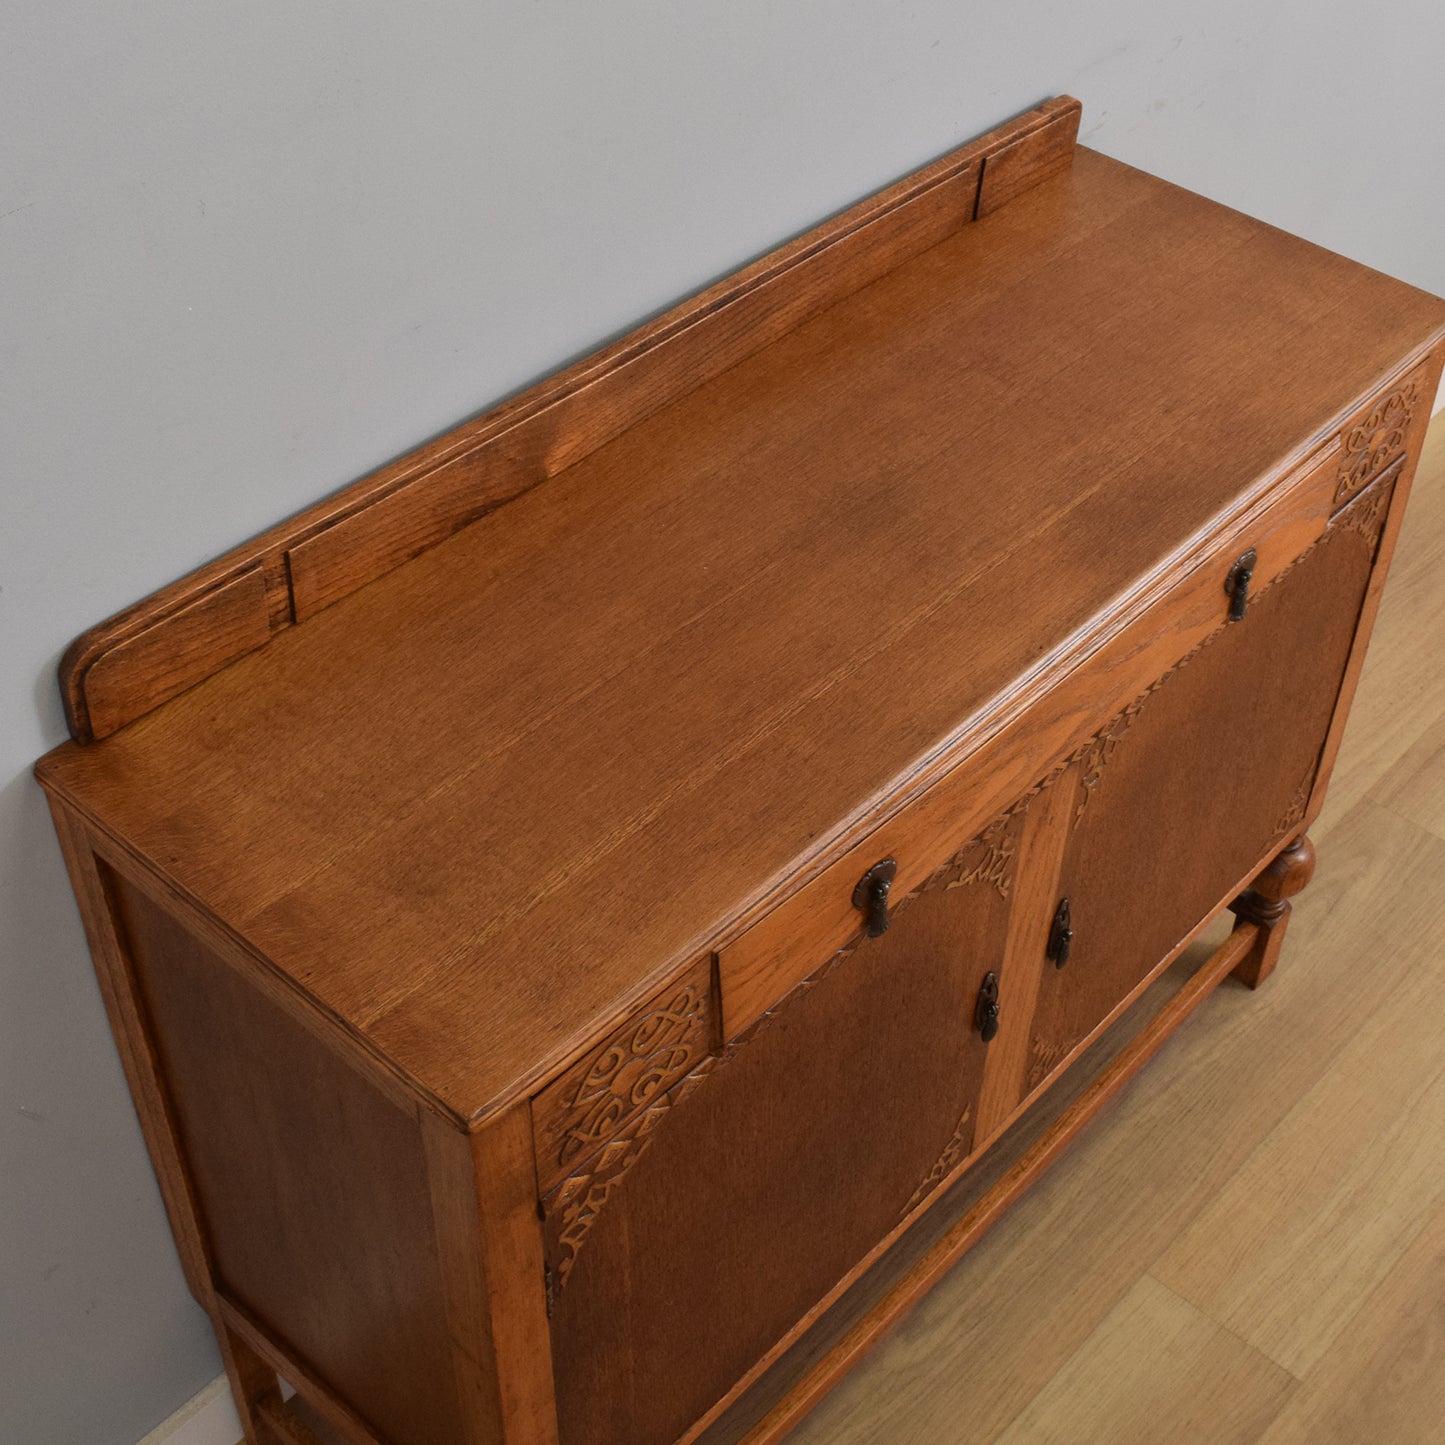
(1376, 439)
(636, 1066)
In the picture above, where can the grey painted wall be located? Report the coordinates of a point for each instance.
(250, 252)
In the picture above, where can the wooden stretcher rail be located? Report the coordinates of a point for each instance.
(333, 1411)
(286, 1424)
(177, 637)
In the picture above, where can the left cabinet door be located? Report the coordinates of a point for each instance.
(686, 1247)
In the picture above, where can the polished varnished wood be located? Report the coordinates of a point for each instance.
(176, 638)
(245, 1080)
(605, 1091)
(715, 682)
(1266, 904)
(1054, 1319)
(1245, 715)
(1041, 847)
(559, 976)
(1166, 621)
(967, 1230)
(868, 1075)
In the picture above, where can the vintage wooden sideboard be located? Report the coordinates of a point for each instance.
(570, 904)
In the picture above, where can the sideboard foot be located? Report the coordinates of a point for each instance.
(1265, 903)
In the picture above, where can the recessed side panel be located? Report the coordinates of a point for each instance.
(312, 1183)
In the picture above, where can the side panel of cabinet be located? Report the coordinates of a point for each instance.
(701, 1234)
(1188, 789)
(311, 1183)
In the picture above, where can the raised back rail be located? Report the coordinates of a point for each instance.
(177, 637)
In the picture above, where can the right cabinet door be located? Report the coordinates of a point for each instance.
(1186, 792)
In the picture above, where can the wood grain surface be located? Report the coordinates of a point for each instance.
(125, 666)
(1280, 1140)
(485, 951)
(851, 1102)
(508, 751)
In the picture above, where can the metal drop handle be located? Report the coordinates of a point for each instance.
(985, 1014)
(1061, 935)
(1237, 585)
(871, 895)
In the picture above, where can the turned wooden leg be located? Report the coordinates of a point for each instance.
(1266, 904)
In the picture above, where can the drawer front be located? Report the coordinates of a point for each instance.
(1189, 788)
(784, 946)
(606, 1090)
(708, 1228)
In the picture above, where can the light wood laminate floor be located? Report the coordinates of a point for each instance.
(1250, 1245)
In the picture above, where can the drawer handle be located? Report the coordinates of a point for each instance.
(871, 895)
(1061, 935)
(1237, 585)
(985, 1015)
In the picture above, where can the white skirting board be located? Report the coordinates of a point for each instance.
(209, 1419)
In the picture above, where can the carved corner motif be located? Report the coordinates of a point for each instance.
(1097, 753)
(1374, 442)
(1293, 815)
(1044, 1058)
(954, 1153)
(632, 1070)
(575, 1205)
(1366, 515)
(990, 858)
(578, 1201)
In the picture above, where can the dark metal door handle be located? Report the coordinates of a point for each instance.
(1061, 935)
(1237, 585)
(985, 1014)
(871, 895)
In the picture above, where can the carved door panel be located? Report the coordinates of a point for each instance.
(1187, 791)
(688, 1246)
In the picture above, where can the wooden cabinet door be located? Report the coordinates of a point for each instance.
(684, 1250)
(1187, 791)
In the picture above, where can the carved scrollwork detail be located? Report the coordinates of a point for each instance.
(1044, 1058)
(1366, 515)
(656, 1050)
(578, 1200)
(1377, 439)
(990, 858)
(1095, 755)
(1294, 813)
(632, 1085)
(954, 1153)
(575, 1205)
(662, 1059)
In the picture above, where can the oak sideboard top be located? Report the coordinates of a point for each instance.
(480, 807)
